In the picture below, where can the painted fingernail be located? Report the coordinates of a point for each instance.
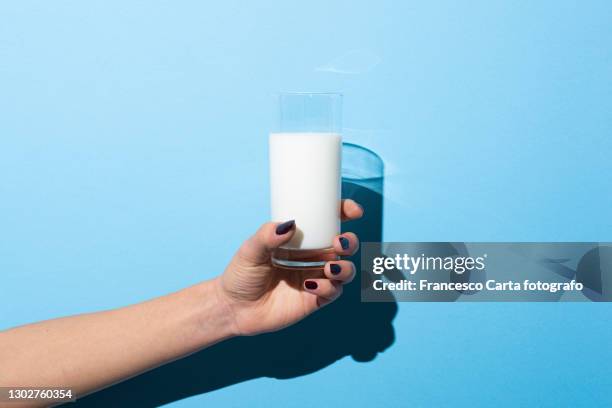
(344, 242)
(312, 285)
(335, 269)
(285, 227)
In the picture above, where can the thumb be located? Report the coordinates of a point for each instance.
(271, 235)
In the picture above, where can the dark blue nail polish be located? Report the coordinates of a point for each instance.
(335, 269)
(285, 227)
(312, 285)
(344, 243)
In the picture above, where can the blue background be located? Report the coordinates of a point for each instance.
(133, 162)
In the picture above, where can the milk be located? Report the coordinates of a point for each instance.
(305, 186)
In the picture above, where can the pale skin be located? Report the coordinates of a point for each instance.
(91, 351)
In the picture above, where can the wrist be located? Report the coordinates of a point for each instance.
(212, 317)
(226, 306)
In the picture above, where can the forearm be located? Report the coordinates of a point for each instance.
(88, 352)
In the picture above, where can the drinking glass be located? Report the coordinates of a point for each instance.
(305, 161)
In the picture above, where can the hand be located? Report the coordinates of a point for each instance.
(262, 298)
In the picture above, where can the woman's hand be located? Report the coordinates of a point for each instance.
(262, 298)
(90, 351)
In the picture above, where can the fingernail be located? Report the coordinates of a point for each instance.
(312, 285)
(335, 269)
(285, 227)
(344, 242)
(361, 207)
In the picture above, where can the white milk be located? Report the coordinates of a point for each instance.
(305, 186)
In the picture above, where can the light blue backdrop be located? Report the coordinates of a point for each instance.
(133, 162)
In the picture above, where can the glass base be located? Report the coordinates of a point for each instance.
(288, 258)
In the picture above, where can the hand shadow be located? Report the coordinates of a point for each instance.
(347, 327)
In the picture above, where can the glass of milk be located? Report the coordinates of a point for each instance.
(305, 163)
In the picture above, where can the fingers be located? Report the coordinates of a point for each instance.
(346, 244)
(326, 290)
(269, 236)
(341, 271)
(272, 235)
(351, 210)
